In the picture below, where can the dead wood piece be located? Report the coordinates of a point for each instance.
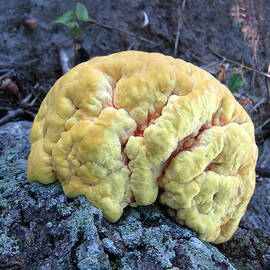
(257, 105)
(179, 26)
(11, 115)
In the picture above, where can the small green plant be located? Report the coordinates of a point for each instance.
(235, 24)
(235, 81)
(72, 18)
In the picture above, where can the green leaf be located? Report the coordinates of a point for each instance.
(76, 29)
(81, 12)
(235, 82)
(235, 23)
(70, 24)
(66, 18)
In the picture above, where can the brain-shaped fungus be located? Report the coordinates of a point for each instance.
(122, 128)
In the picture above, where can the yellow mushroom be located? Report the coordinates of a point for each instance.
(126, 128)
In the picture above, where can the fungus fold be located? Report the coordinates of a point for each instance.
(131, 127)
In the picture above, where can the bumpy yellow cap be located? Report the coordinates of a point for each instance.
(122, 128)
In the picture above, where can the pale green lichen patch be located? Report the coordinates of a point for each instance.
(8, 246)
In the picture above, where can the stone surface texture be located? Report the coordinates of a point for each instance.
(41, 229)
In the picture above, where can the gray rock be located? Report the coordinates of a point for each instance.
(249, 248)
(42, 229)
(264, 157)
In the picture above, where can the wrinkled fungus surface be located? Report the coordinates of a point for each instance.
(126, 128)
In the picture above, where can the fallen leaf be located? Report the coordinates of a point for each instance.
(246, 101)
(235, 82)
(222, 73)
(122, 34)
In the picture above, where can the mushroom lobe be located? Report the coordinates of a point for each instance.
(127, 128)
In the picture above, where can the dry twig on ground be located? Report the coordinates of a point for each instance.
(109, 27)
(225, 59)
(179, 26)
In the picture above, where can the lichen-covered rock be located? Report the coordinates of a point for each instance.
(40, 228)
(250, 246)
(120, 128)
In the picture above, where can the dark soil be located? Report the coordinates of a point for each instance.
(211, 34)
(32, 55)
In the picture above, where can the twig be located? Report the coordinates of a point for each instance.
(263, 100)
(179, 26)
(120, 30)
(183, 4)
(17, 62)
(268, 87)
(6, 74)
(262, 125)
(12, 64)
(239, 64)
(191, 53)
(253, 79)
(26, 99)
(11, 115)
(5, 108)
(33, 115)
(268, 83)
(25, 103)
(130, 46)
(24, 107)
